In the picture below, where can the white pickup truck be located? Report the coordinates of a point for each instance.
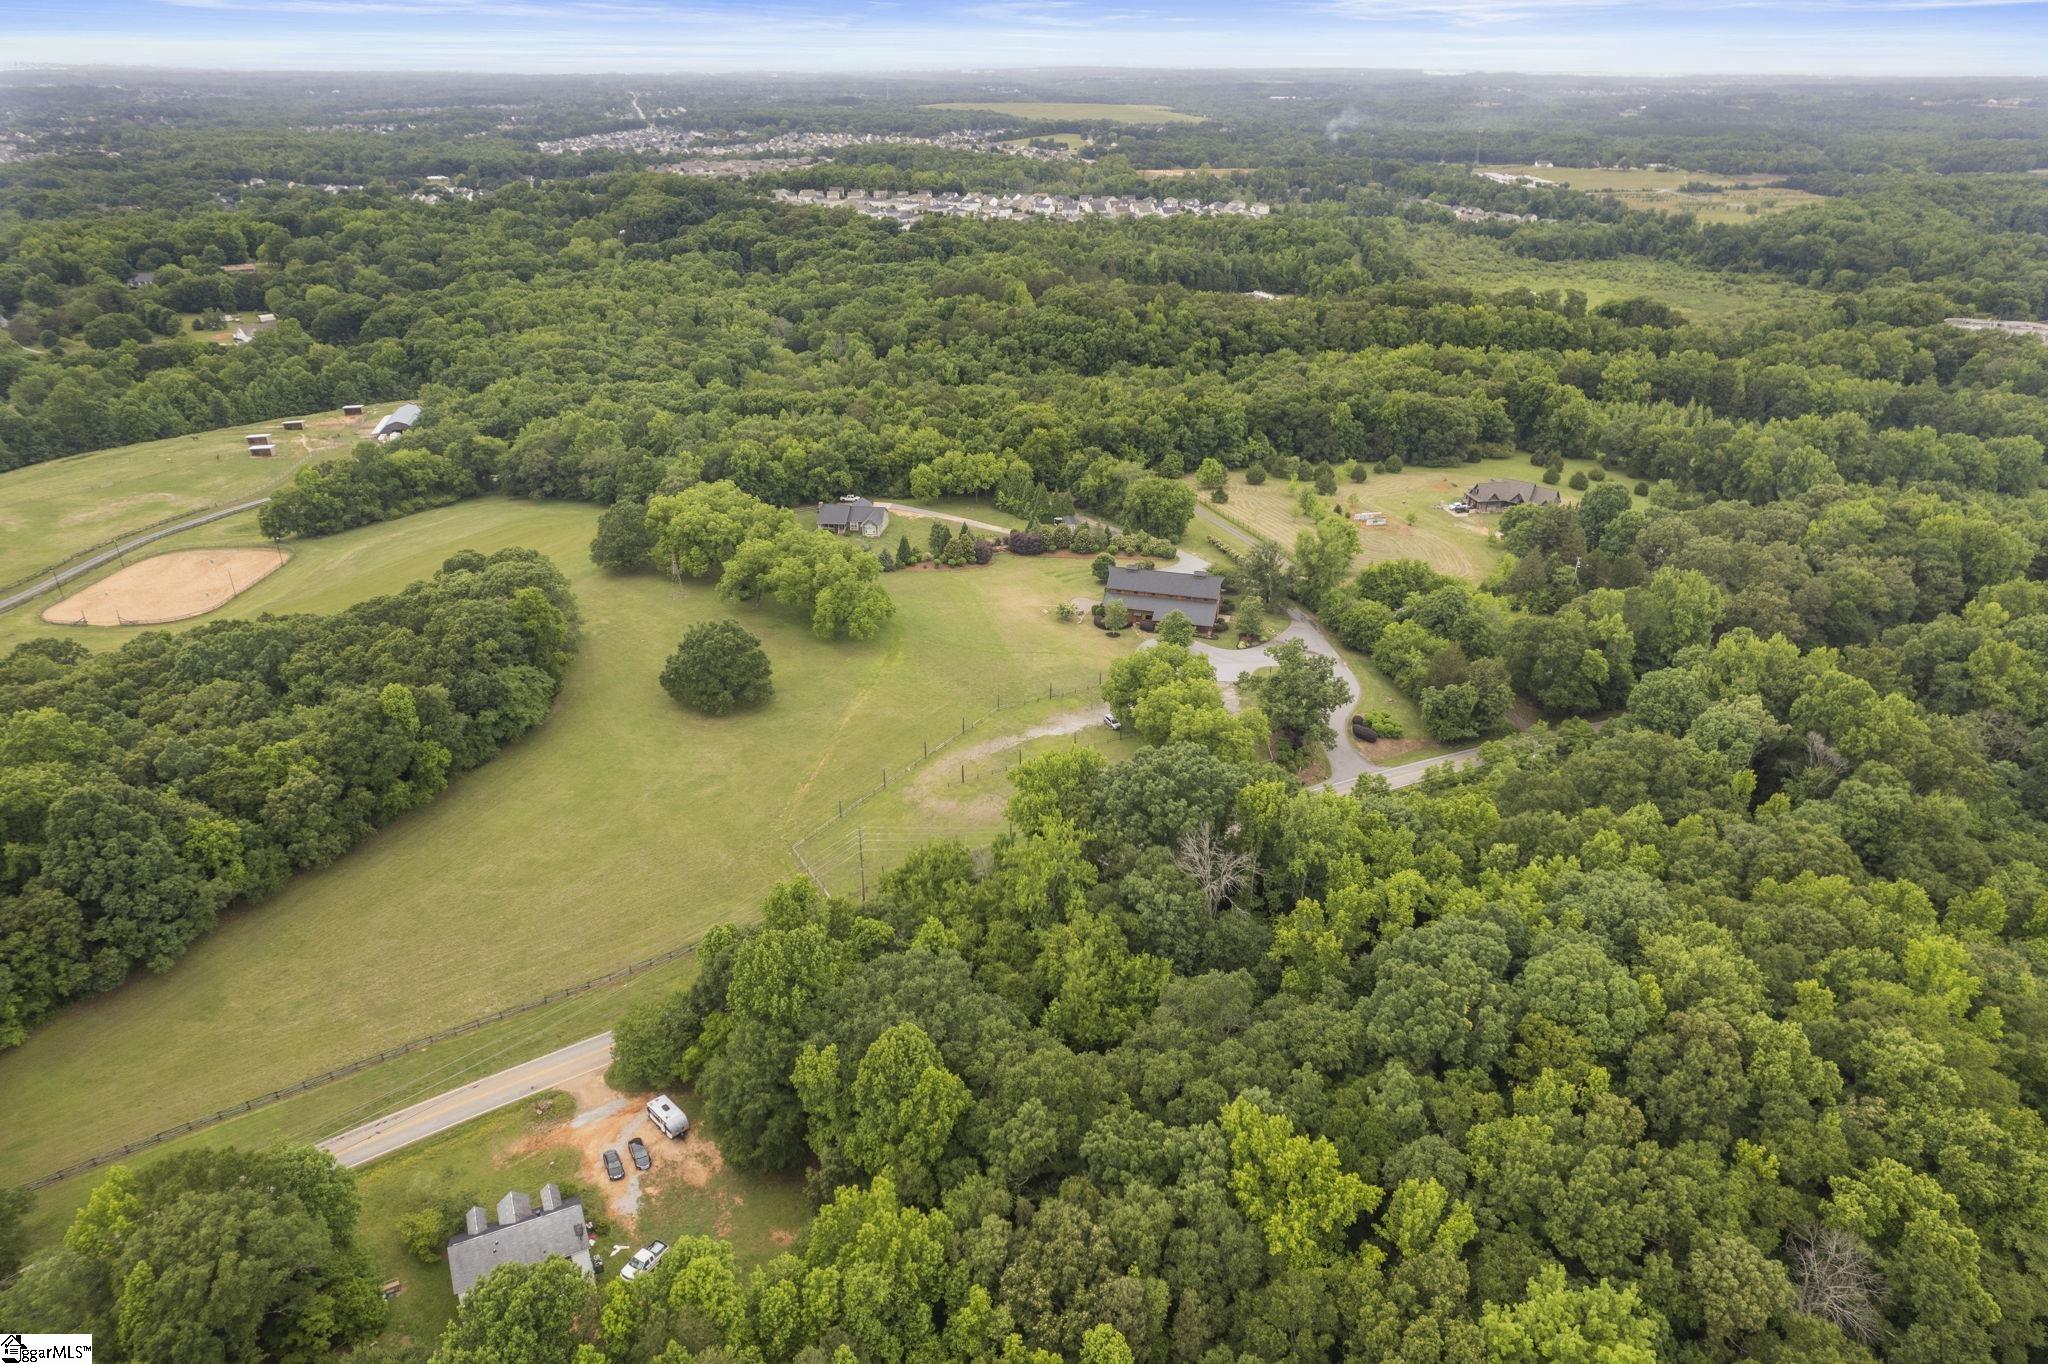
(644, 1259)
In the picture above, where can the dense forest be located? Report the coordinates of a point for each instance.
(1707, 1020)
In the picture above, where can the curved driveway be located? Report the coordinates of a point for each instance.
(107, 556)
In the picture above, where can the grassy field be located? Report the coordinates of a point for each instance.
(624, 826)
(1460, 546)
(1113, 113)
(1660, 191)
(960, 792)
(1451, 257)
(396, 1084)
(56, 511)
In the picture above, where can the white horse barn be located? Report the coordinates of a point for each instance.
(397, 422)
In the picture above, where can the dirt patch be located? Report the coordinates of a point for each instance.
(167, 587)
(1391, 752)
(605, 1120)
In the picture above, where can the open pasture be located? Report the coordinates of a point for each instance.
(55, 511)
(624, 826)
(1449, 256)
(1459, 546)
(1664, 191)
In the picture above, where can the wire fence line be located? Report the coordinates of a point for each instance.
(850, 851)
(360, 1064)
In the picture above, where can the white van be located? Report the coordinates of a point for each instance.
(667, 1116)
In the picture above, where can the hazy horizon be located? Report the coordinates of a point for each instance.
(1819, 38)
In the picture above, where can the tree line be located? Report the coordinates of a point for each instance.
(145, 790)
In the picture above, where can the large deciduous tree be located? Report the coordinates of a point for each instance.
(718, 668)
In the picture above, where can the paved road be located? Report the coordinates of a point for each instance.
(387, 1134)
(107, 556)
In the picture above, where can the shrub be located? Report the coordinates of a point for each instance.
(1026, 542)
(1326, 480)
(1103, 563)
(1384, 724)
(1065, 613)
(1642, 488)
(939, 538)
(1255, 475)
(1598, 473)
(1550, 474)
(718, 668)
(1356, 471)
(981, 550)
(1221, 495)
(1578, 482)
(888, 561)
(426, 1231)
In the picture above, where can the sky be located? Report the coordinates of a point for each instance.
(1628, 37)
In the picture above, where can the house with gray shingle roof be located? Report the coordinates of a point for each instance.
(853, 516)
(523, 1236)
(1152, 594)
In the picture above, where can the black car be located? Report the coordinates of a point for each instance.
(637, 1149)
(1361, 730)
(613, 1166)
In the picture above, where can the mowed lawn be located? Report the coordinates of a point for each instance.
(55, 511)
(1081, 111)
(1459, 546)
(621, 828)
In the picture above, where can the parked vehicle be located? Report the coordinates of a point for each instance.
(637, 1149)
(669, 1118)
(644, 1259)
(1361, 730)
(613, 1166)
(1112, 722)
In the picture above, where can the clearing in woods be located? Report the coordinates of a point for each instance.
(168, 587)
(638, 822)
(559, 1137)
(1731, 198)
(1105, 113)
(1459, 546)
(55, 511)
(1451, 256)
